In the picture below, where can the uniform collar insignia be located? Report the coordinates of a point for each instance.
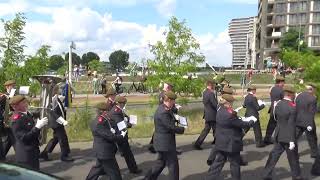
(15, 116)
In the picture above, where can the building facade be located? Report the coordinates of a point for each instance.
(275, 17)
(242, 35)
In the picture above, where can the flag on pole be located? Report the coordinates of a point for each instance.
(67, 92)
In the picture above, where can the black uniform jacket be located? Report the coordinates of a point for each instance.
(165, 129)
(306, 105)
(116, 116)
(104, 141)
(252, 106)
(229, 130)
(285, 115)
(210, 105)
(276, 94)
(58, 110)
(26, 136)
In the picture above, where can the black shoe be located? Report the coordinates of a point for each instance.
(209, 162)
(152, 150)
(267, 142)
(44, 156)
(243, 162)
(67, 159)
(197, 147)
(137, 171)
(179, 151)
(260, 145)
(315, 173)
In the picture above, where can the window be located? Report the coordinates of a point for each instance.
(316, 17)
(298, 18)
(280, 19)
(316, 29)
(298, 6)
(281, 8)
(315, 41)
(316, 6)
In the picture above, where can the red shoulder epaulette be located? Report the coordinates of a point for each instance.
(230, 110)
(100, 119)
(292, 104)
(15, 117)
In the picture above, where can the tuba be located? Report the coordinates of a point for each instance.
(47, 82)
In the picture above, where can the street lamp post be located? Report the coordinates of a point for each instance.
(72, 46)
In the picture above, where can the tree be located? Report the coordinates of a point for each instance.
(119, 60)
(88, 57)
(175, 58)
(11, 43)
(76, 60)
(56, 62)
(291, 41)
(96, 65)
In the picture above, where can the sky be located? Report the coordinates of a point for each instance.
(103, 26)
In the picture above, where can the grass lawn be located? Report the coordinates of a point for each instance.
(78, 129)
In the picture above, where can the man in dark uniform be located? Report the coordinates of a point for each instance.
(117, 115)
(252, 109)
(57, 123)
(306, 105)
(210, 111)
(285, 135)
(104, 146)
(228, 136)
(26, 133)
(5, 112)
(166, 87)
(165, 139)
(276, 94)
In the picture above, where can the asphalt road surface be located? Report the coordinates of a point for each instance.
(192, 162)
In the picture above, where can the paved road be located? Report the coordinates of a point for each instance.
(192, 163)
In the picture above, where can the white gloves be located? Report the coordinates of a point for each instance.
(62, 121)
(178, 106)
(238, 109)
(177, 117)
(248, 119)
(309, 128)
(123, 133)
(292, 146)
(42, 122)
(260, 102)
(112, 130)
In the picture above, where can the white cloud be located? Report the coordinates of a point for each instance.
(243, 1)
(166, 7)
(100, 33)
(217, 49)
(13, 6)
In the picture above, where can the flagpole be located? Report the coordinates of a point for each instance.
(70, 63)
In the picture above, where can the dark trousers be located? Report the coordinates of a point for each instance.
(151, 141)
(270, 128)
(103, 89)
(311, 137)
(257, 132)
(168, 158)
(124, 147)
(220, 160)
(59, 135)
(9, 142)
(274, 156)
(208, 125)
(109, 167)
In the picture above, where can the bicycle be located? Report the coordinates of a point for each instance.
(120, 89)
(140, 88)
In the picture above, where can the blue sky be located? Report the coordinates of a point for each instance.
(103, 26)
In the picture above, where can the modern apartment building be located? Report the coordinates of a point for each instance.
(242, 34)
(275, 17)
